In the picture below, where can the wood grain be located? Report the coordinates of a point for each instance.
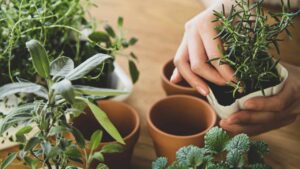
(159, 26)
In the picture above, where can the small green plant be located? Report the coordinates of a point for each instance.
(51, 113)
(247, 37)
(220, 152)
(59, 26)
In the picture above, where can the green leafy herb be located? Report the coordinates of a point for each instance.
(48, 114)
(225, 153)
(247, 36)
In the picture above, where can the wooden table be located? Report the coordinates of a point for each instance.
(159, 26)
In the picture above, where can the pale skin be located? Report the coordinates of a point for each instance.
(262, 114)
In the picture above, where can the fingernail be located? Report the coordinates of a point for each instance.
(202, 91)
(172, 79)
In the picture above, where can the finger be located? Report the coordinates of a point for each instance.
(270, 103)
(182, 64)
(212, 46)
(198, 59)
(255, 129)
(250, 117)
(176, 76)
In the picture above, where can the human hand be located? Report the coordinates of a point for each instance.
(199, 46)
(263, 114)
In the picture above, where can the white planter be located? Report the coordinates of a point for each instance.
(120, 81)
(226, 111)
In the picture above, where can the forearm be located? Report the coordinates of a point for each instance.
(217, 4)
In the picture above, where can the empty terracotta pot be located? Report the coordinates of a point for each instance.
(126, 120)
(174, 89)
(178, 121)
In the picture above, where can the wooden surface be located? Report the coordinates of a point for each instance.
(159, 26)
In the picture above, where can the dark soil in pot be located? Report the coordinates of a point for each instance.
(224, 94)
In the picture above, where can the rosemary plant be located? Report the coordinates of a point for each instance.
(48, 118)
(247, 36)
(58, 25)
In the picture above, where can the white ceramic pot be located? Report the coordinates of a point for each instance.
(226, 111)
(121, 81)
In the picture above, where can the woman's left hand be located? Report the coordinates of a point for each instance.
(263, 114)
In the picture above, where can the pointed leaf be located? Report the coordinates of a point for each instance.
(61, 66)
(22, 87)
(78, 137)
(98, 156)
(110, 30)
(104, 121)
(9, 159)
(88, 90)
(39, 58)
(32, 143)
(134, 72)
(133, 41)
(87, 66)
(99, 37)
(120, 21)
(65, 89)
(24, 130)
(112, 148)
(96, 139)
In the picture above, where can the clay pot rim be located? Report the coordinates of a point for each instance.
(132, 111)
(166, 80)
(151, 125)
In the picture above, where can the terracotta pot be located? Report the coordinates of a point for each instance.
(126, 120)
(178, 121)
(174, 89)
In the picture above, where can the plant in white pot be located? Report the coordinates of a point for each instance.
(45, 135)
(64, 29)
(247, 36)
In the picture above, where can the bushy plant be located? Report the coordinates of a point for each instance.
(220, 152)
(247, 36)
(59, 25)
(57, 103)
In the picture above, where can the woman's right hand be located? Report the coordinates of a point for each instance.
(197, 47)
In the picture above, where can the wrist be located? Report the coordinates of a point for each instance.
(217, 5)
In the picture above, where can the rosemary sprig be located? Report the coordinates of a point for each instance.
(247, 37)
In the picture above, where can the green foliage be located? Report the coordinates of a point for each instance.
(9, 159)
(225, 153)
(160, 163)
(216, 139)
(59, 25)
(247, 37)
(49, 114)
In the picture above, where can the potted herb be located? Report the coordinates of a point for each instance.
(126, 120)
(64, 30)
(247, 37)
(178, 121)
(220, 151)
(44, 124)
